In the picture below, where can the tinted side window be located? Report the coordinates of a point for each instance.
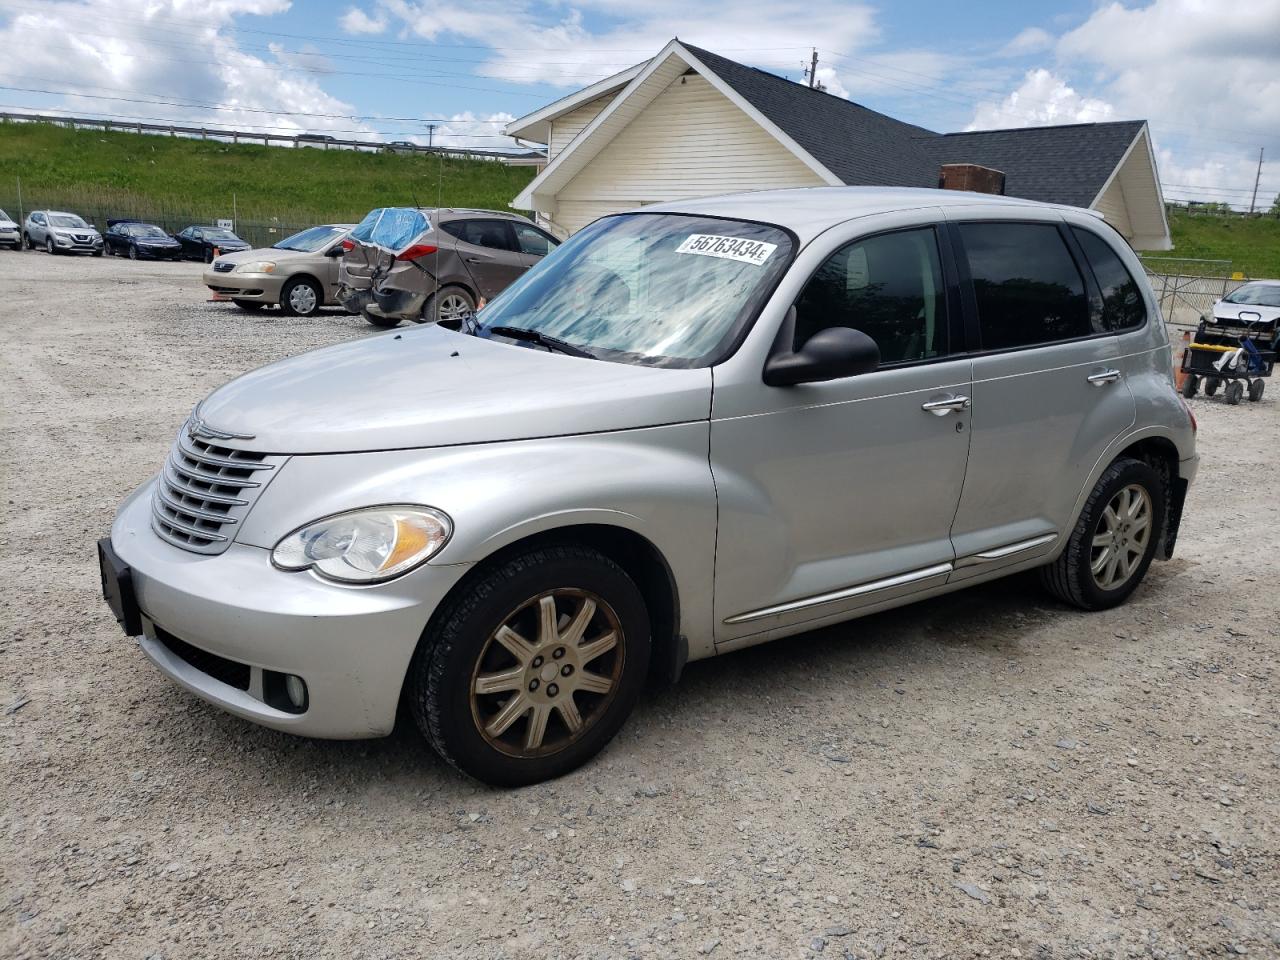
(1027, 285)
(1122, 306)
(494, 234)
(889, 287)
(533, 240)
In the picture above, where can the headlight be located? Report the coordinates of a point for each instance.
(364, 546)
(257, 266)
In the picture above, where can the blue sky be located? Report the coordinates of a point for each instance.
(386, 68)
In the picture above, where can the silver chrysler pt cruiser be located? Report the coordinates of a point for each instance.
(690, 429)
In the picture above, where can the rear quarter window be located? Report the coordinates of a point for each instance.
(1028, 288)
(1122, 304)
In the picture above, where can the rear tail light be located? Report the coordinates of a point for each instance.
(348, 245)
(1195, 427)
(416, 251)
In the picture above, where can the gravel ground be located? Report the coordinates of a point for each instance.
(986, 774)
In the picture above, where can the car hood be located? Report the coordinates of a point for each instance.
(156, 241)
(7, 224)
(249, 255)
(1231, 311)
(432, 387)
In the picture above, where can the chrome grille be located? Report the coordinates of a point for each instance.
(223, 267)
(204, 490)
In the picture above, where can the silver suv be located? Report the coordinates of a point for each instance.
(693, 428)
(57, 232)
(453, 261)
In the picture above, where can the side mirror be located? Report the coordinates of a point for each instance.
(335, 251)
(830, 354)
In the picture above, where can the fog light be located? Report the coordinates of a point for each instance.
(296, 690)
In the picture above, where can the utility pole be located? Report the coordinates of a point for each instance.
(431, 135)
(1256, 181)
(813, 70)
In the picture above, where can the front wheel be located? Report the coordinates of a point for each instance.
(1114, 540)
(1190, 386)
(49, 248)
(1234, 392)
(300, 298)
(208, 254)
(533, 667)
(1255, 390)
(1211, 385)
(133, 252)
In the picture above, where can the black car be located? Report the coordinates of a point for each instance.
(205, 243)
(140, 241)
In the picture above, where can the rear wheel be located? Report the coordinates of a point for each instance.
(1190, 386)
(1234, 392)
(1211, 385)
(450, 305)
(300, 297)
(1255, 390)
(533, 667)
(1114, 540)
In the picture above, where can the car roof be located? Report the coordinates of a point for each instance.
(1265, 283)
(810, 210)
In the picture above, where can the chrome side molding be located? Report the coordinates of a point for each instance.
(1001, 553)
(847, 593)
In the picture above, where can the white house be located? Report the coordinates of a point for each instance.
(692, 123)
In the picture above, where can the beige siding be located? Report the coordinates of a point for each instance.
(564, 129)
(1112, 206)
(691, 141)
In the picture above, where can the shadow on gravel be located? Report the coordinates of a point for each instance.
(983, 622)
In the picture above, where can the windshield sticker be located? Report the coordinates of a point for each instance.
(754, 252)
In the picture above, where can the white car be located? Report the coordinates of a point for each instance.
(10, 235)
(1261, 297)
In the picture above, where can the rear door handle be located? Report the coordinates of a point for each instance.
(940, 408)
(1103, 377)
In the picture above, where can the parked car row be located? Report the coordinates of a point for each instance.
(57, 231)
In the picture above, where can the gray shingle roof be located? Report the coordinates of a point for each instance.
(1064, 164)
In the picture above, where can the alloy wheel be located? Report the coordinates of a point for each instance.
(547, 673)
(1121, 537)
(302, 299)
(453, 306)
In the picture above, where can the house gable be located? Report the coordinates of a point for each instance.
(690, 141)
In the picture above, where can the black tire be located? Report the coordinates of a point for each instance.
(451, 651)
(98, 252)
(1255, 390)
(133, 252)
(1190, 386)
(1070, 577)
(249, 306)
(386, 323)
(290, 309)
(1211, 385)
(49, 248)
(208, 254)
(1234, 392)
(28, 242)
(450, 295)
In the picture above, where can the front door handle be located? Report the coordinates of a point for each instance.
(1103, 377)
(940, 408)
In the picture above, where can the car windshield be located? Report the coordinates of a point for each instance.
(652, 288)
(1261, 294)
(211, 234)
(5, 216)
(66, 220)
(147, 230)
(309, 241)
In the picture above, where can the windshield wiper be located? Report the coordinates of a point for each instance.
(542, 340)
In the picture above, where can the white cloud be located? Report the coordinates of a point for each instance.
(356, 20)
(1030, 40)
(467, 130)
(169, 50)
(1042, 99)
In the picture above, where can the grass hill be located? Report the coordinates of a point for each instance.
(176, 181)
(1251, 244)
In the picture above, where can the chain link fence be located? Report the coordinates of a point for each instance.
(1187, 289)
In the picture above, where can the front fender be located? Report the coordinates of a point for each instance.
(655, 482)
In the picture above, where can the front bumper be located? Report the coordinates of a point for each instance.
(159, 253)
(10, 236)
(71, 245)
(351, 645)
(264, 287)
